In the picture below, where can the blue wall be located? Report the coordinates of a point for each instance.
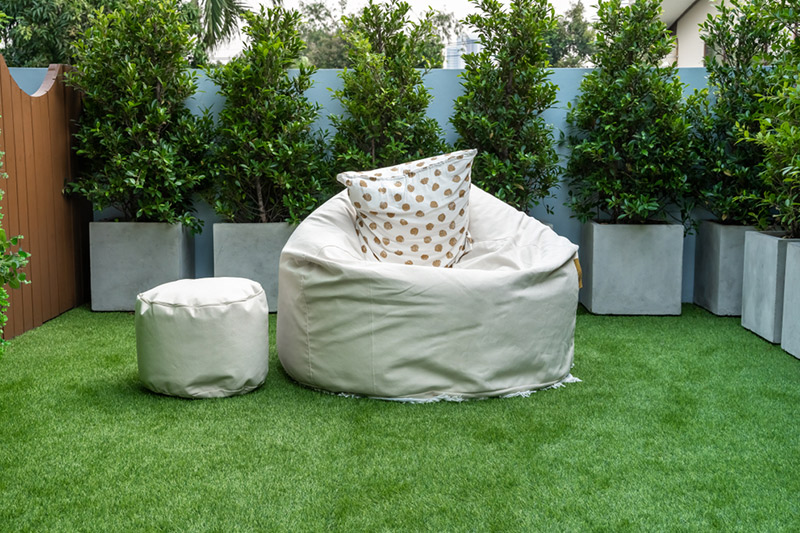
(28, 79)
(445, 87)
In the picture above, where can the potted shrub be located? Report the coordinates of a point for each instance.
(141, 150)
(506, 92)
(269, 167)
(629, 140)
(382, 95)
(790, 330)
(740, 40)
(769, 275)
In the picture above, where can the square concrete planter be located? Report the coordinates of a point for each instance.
(632, 269)
(251, 251)
(790, 337)
(128, 258)
(763, 283)
(719, 267)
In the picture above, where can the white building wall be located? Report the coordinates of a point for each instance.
(454, 53)
(691, 48)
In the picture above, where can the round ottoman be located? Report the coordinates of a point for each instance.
(203, 338)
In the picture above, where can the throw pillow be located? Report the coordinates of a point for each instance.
(415, 213)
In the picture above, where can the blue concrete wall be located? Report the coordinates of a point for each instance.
(445, 87)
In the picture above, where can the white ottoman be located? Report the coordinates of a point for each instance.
(203, 338)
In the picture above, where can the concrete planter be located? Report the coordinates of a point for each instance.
(763, 283)
(632, 269)
(251, 251)
(128, 258)
(719, 267)
(790, 338)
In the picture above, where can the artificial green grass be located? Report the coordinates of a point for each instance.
(680, 424)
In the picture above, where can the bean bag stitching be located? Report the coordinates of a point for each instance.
(455, 396)
(360, 259)
(305, 314)
(209, 392)
(215, 304)
(372, 336)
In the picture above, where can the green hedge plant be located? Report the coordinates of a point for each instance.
(383, 97)
(141, 148)
(628, 131)
(12, 260)
(506, 92)
(742, 42)
(269, 162)
(779, 132)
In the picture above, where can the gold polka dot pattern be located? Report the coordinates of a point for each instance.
(416, 213)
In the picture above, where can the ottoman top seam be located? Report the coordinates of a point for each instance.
(212, 304)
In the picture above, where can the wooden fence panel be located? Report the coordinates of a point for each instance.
(35, 136)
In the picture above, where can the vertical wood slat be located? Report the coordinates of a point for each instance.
(6, 124)
(30, 209)
(17, 214)
(43, 174)
(41, 222)
(81, 213)
(35, 136)
(7, 145)
(63, 231)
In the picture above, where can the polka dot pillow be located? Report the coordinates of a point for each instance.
(414, 213)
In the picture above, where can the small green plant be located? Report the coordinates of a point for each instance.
(141, 148)
(382, 94)
(12, 260)
(269, 165)
(506, 92)
(628, 131)
(742, 42)
(779, 133)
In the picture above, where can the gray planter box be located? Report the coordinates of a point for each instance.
(719, 267)
(251, 251)
(790, 338)
(632, 269)
(128, 258)
(763, 283)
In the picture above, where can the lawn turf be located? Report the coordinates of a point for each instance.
(680, 424)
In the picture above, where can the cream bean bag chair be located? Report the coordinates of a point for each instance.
(500, 321)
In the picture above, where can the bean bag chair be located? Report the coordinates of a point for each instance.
(500, 321)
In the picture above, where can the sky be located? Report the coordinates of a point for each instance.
(460, 8)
